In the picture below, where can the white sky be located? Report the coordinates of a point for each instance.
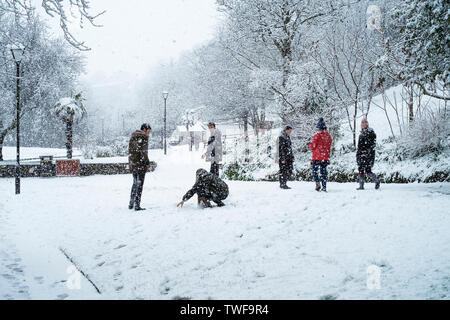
(139, 34)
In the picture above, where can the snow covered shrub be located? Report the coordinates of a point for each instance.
(88, 151)
(427, 135)
(114, 148)
(104, 152)
(120, 147)
(238, 172)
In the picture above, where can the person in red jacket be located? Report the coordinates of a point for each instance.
(321, 147)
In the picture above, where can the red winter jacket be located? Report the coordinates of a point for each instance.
(321, 146)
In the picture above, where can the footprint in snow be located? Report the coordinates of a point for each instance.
(120, 247)
(62, 296)
(39, 280)
(8, 276)
(164, 287)
(119, 288)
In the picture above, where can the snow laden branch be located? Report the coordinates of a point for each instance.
(65, 10)
(82, 7)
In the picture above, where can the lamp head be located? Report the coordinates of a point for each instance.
(17, 52)
(165, 94)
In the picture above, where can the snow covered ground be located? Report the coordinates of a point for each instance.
(265, 244)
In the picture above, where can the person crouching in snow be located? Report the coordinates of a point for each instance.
(208, 187)
(321, 147)
(365, 156)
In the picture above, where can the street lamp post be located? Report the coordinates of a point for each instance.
(165, 96)
(17, 54)
(103, 130)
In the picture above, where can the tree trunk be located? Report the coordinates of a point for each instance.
(354, 124)
(1, 148)
(69, 135)
(411, 104)
(247, 148)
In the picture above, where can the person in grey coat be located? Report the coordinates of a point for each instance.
(214, 150)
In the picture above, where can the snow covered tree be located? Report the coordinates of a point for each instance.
(49, 70)
(61, 9)
(423, 37)
(70, 110)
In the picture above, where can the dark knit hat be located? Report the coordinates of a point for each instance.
(146, 126)
(321, 124)
(287, 128)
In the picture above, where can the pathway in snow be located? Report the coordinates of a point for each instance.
(266, 243)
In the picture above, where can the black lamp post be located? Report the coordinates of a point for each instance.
(17, 53)
(165, 96)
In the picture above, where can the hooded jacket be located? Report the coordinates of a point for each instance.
(138, 152)
(365, 156)
(208, 185)
(285, 148)
(321, 146)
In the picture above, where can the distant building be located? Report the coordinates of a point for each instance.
(197, 134)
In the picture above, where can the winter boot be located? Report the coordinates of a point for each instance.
(131, 206)
(139, 209)
(361, 183)
(324, 189)
(318, 186)
(376, 180)
(204, 203)
(220, 203)
(285, 187)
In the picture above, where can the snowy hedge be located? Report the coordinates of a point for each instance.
(392, 165)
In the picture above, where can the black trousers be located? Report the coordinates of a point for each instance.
(215, 169)
(285, 172)
(136, 190)
(211, 196)
(363, 170)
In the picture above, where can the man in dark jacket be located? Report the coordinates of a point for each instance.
(139, 164)
(208, 187)
(286, 156)
(365, 156)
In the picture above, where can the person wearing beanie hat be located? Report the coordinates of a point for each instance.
(286, 156)
(321, 125)
(321, 147)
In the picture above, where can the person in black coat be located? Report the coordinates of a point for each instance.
(208, 187)
(365, 156)
(139, 164)
(286, 156)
